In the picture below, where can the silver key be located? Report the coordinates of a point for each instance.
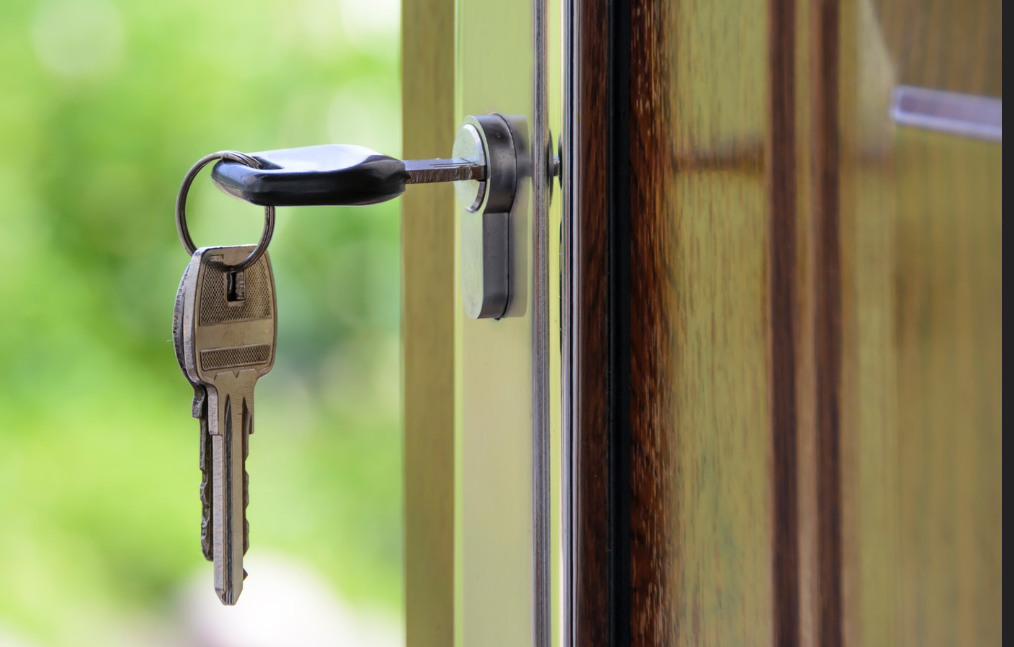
(227, 335)
(199, 410)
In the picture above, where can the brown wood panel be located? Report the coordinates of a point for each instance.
(711, 267)
(715, 202)
(862, 401)
(919, 396)
(814, 317)
(428, 309)
(954, 45)
(948, 327)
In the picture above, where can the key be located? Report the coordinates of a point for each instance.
(199, 410)
(490, 160)
(333, 174)
(227, 336)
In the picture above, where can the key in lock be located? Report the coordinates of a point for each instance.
(490, 157)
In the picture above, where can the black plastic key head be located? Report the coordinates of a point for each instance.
(314, 176)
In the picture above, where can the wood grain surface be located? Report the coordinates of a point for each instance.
(590, 318)
(428, 310)
(713, 554)
(813, 404)
(920, 395)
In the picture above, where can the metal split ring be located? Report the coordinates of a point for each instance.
(181, 207)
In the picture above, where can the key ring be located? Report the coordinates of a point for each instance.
(181, 208)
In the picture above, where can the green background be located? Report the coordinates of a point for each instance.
(104, 104)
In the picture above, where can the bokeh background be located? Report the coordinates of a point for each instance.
(104, 104)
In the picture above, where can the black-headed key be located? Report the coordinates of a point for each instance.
(334, 174)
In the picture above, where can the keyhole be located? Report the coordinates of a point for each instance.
(236, 286)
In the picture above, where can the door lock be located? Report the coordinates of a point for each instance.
(484, 168)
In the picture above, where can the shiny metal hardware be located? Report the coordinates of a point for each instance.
(485, 225)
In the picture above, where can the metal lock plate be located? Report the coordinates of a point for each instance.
(485, 226)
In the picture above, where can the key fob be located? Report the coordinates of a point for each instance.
(314, 176)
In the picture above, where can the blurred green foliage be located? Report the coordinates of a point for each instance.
(104, 104)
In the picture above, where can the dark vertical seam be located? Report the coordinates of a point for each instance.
(828, 328)
(618, 180)
(781, 183)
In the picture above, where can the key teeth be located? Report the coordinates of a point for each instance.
(199, 407)
(206, 493)
(206, 543)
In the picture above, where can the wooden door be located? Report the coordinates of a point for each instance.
(781, 333)
(785, 326)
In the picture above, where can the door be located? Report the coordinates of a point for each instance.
(779, 416)
(798, 301)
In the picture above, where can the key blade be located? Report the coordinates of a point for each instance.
(228, 425)
(443, 170)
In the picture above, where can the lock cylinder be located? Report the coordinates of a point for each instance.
(485, 225)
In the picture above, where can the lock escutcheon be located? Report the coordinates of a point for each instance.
(485, 224)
